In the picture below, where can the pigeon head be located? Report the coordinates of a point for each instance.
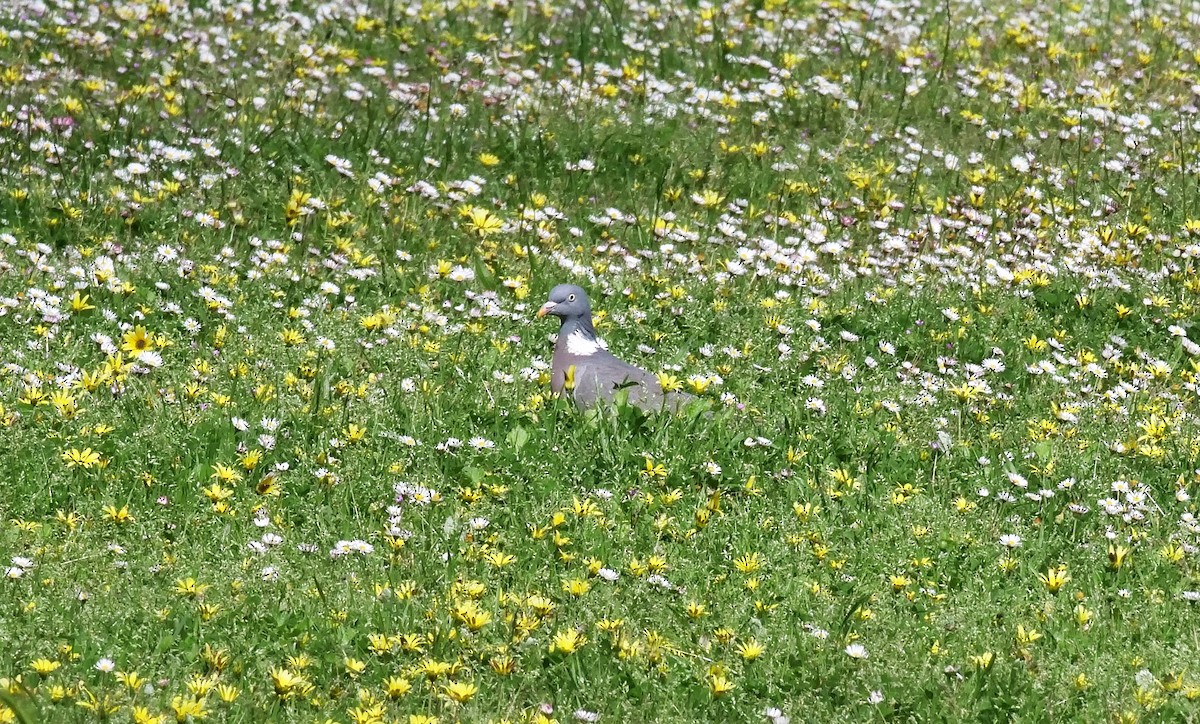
(567, 302)
(570, 304)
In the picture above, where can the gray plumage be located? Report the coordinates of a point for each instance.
(598, 375)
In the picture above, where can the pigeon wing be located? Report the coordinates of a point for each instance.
(600, 376)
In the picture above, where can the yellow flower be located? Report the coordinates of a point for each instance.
(103, 707)
(187, 708)
(1172, 682)
(488, 159)
(669, 382)
(251, 459)
(1054, 579)
(85, 458)
(750, 650)
(379, 644)
(482, 222)
(199, 685)
(285, 681)
(44, 667)
(299, 661)
(137, 341)
(142, 715)
(1026, 636)
(190, 588)
(291, 338)
(1172, 552)
(216, 493)
(66, 405)
(434, 669)
(720, 686)
(215, 660)
(576, 587)
(708, 199)
(500, 559)
(748, 563)
(225, 474)
(503, 665)
(460, 691)
(396, 687)
(541, 606)
(1083, 616)
(355, 433)
(654, 470)
(983, 661)
(354, 667)
(567, 641)
(1118, 556)
(368, 713)
(80, 303)
(118, 516)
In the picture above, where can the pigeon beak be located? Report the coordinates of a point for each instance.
(546, 308)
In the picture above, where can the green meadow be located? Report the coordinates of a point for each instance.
(277, 435)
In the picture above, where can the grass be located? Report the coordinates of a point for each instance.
(279, 439)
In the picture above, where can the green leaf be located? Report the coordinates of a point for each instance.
(517, 438)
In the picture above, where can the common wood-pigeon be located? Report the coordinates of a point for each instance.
(584, 367)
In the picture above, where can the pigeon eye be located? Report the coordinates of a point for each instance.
(571, 298)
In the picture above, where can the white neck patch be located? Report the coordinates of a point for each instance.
(578, 344)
